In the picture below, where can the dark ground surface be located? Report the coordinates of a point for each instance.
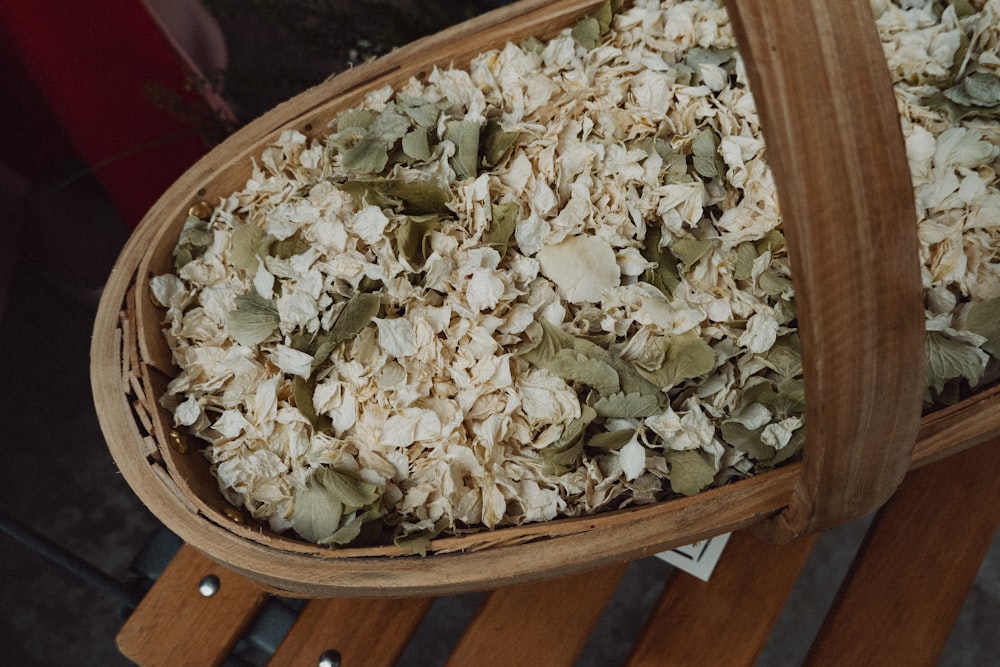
(58, 478)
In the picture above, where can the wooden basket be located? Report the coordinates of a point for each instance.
(834, 143)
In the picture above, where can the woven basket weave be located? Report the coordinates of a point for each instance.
(836, 150)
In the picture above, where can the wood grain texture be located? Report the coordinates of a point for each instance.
(913, 572)
(363, 632)
(545, 623)
(175, 625)
(834, 144)
(728, 619)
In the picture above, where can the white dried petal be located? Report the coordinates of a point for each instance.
(370, 224)
(760, 334)
(632, 458)
(484, 289)
(582, 267)
(188, 412)
(396, 337)
(291, 361)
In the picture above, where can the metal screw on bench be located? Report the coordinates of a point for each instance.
(329, 658)
(209, 585)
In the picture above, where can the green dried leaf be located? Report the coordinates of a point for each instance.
(689, 251)
(587, 32)
(746, 254)
(604, 14)
(326, 510)
(977, 89)
(784, 399)
(254, 319)
(691, 471)
(419, 197)
(665, 275)
(627, 406)
(416, 145)
(317, 512)
(745, 439)
(592, 350)
(194, 240)
(289, 247)
(963, 8)
(348, 532)
(674, 163)
(634, 383)
(391, 123)
(564, 456)
(495, 144)
(247, 244)
(957, 111)
(984, 319)
(359, 311)
(419, 541)
(750, 442)
(502, 226)
(351, 491)
(532, 45)
(465, 135)
(573, 366)
(356, 118)
(370, 284)
(370, 155)
(790, 449)
(774, 285)
(771, 242)
(705, 154)
(629, 380)
(699, 56)
(610, 440)
(302, 393)
(413, 238)
(552, 339)
(785, 356)
(424, 113)
(407, 197)
(589, 29)
(357, 314)
(949, 359)
(689, 356)
(685, 357)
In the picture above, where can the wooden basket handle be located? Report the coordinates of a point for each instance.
(835, 146)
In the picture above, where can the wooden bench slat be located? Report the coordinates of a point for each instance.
(175, 625)
(541, 623)
(368, 632)
(912, 574)
(726, 620)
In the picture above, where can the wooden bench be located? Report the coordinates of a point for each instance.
(896, 606)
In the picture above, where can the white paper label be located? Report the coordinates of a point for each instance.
(699, 558)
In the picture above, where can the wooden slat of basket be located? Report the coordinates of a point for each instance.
(177, 625)
(550, 620)
(370, 632)
(834, 144)
(728, 619)
(913, 572)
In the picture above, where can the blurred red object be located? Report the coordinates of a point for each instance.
(79, 78)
